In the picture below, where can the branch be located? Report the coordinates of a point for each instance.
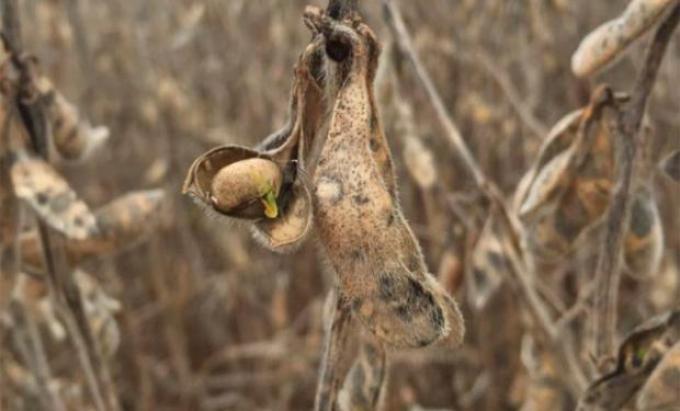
(337, 332)
(405, 45)
(629, 158)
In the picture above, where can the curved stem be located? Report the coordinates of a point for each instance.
(630, 142)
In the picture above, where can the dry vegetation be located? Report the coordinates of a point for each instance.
(144, 302)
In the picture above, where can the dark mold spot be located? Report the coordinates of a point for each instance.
(358, 380)
(641, 220)
(361, 199)
(60, 202)
(425, 342)
(373, 144)
(390, 219)
(479, 276)
(417, 298)
(404, 313)
(437, 317)
(498, 260)
(565, 226)
(338, 50)
(387, 287)
(41, 198)
(414, 262)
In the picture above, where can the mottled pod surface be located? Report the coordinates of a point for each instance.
(363, 231)
(567, 191)
(610, 40)
(51, 197)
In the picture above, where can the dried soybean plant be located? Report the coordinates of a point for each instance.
(591, 183)
(331, 168)
(41, 284)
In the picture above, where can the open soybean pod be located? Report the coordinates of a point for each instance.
(662, 389)
(528, 197)
(237, 182)
(638, 355)
(74, 138)
(122, 224)
(243, 183)
(267, 184)
(610, 40)
(643, 243)
(51, 197)
(568, 190)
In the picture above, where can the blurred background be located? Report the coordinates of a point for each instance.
(212, 321)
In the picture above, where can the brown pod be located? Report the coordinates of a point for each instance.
(123, 223)
(51, 197)
(610, 40)
(559, 139)
(380, 268)
(74, 137)
(202, 180)
(288, 150)
(567, 191)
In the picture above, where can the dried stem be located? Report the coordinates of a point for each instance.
(34, 355)
(484, 61)
(63, 290)
(629, 153)
(336, 341)
(405, 45)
